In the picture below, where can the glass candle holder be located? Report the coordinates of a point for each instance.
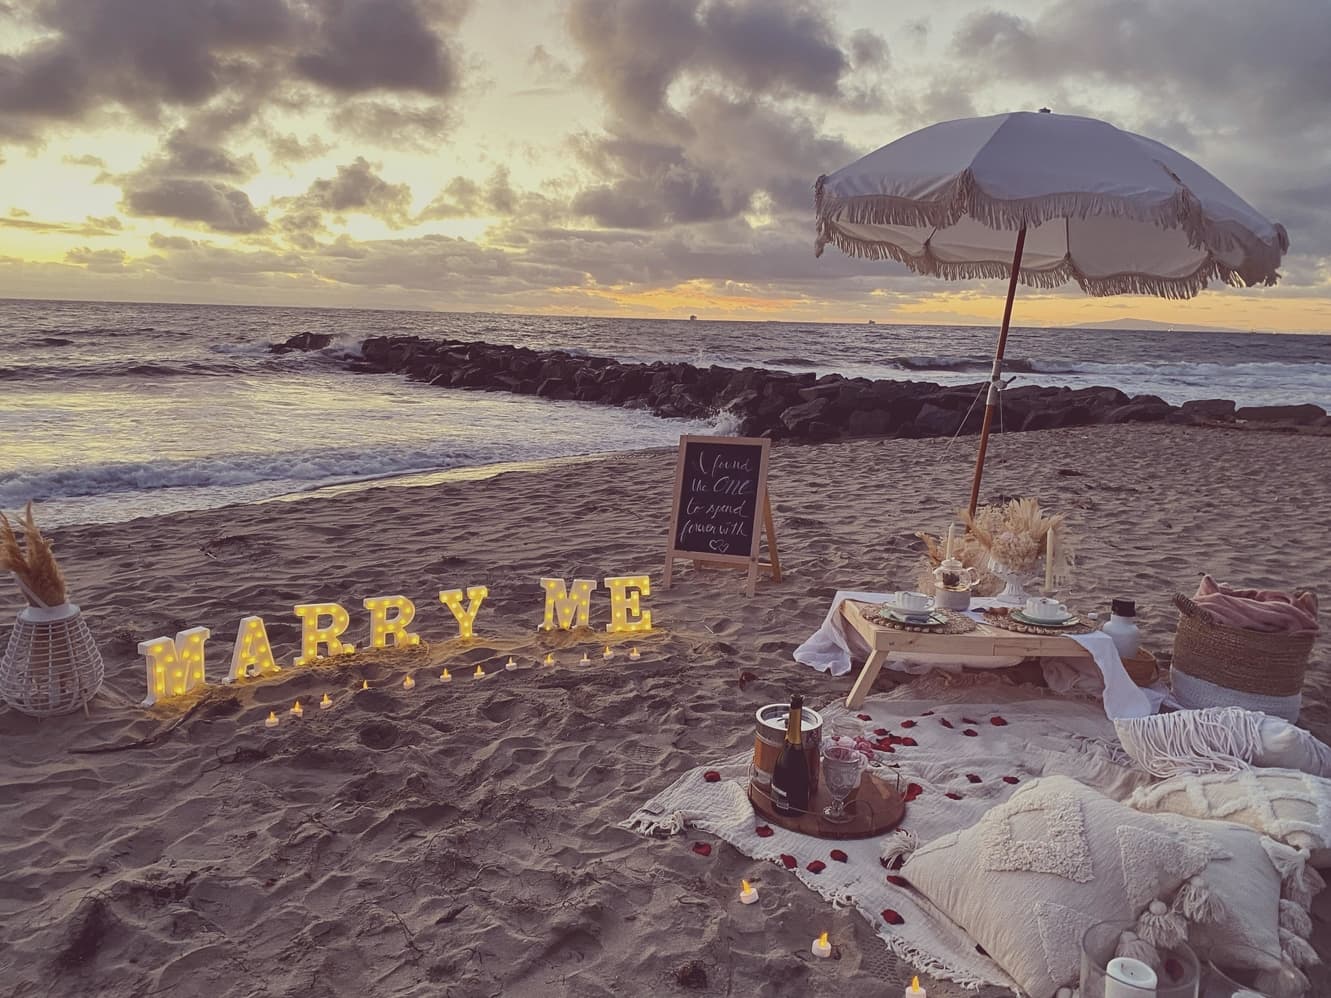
(1104, 976)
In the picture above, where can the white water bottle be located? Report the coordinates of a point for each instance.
(1122, 627)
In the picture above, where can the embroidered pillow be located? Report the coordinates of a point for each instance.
(1290, 806)
(1032, 875)
(1220, 739)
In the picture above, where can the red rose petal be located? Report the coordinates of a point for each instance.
(970, 732)
(702, 848)
(817, 866)
(864, 717)
(763, 831)
(1010, 779)
(712, 776)
(1173, 969)
(839, 856)
(974, 777)
(951, 796)
(967, 720)
(913, 790)
(891, 917)
(945, 722)
(884, 746)
(790, 861)
(896, 881)
(908, 742)
(997, 721)
(881, 732)
(926, 713)
(908, 724)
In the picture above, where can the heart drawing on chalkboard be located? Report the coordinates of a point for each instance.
(720, 547)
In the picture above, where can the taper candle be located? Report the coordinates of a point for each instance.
(1049, 561)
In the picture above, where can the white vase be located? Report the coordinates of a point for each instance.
(1014, 592)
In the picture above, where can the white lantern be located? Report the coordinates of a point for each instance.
(52, 665)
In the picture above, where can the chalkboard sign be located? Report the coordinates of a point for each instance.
(721, 505)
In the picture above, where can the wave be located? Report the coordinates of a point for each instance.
(791, 361)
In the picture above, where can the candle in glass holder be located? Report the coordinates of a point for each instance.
(479, 673)
(586, 659)
(947, 551)
(821, 947)
(550, 658)
(634, 654)
(607, 653)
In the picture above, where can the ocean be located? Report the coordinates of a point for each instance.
(111, 411)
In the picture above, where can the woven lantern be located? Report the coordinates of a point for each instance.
(51, 665)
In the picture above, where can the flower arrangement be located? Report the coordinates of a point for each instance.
(1010, 538)
(34, 569)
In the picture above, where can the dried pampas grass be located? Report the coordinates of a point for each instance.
(1013, 535)
(35, 569)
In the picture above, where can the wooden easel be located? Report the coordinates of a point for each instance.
(704, 558)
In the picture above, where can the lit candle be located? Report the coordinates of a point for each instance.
(296, 709)
(365, 684)
(821, 947)
(947, 552)
(326, 702)
(607, 653)
(634, 654)
(408, 683)
(272, 719)
(445, 676)
(1049, 561)
(915, 991)
(550, 658)
(479, 673)
(586, 659)
(748, 894)
(512, 664)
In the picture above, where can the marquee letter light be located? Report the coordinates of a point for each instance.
(174, 667)
(383, 627)
(466, 617)
(571, 609)
(312, 635)
(253, 655)
(625, 615)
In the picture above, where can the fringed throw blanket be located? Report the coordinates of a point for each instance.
(967, 746)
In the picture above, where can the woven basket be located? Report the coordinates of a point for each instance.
(52, 665)
(1255, 665)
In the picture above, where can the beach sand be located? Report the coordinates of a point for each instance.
(459, 839)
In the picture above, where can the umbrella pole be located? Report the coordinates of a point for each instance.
(992, 401)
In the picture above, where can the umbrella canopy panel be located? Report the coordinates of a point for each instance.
(1117, 212)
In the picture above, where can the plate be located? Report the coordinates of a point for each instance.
(1021, 618)
(914, 618)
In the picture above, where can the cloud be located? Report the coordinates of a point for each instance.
(95, 162)
(213, 203)
(94, 226)
(103, 260)
(548, 69)
(287, 147)
(465, 198)
(398, 122)
(355, 188)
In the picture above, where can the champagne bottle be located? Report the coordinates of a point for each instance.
(790, 775)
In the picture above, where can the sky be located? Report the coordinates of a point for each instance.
(606, 157)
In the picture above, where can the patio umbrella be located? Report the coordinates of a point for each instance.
(1043, 199)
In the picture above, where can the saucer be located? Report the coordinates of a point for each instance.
(1021, 617)
(915, 618)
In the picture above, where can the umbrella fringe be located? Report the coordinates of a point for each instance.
(964, 198)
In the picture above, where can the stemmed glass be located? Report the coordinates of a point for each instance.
(842, 766)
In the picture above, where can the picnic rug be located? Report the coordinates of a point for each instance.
(969, 743)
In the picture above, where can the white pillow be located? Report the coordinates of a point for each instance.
(1220, 739)
(1288, 805)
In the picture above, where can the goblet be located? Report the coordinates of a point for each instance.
(842, 766)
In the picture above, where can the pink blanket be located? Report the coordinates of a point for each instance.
(1258, 609)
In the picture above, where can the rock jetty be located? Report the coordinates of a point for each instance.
(783, 405)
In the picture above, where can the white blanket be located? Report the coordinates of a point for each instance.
(1020, 733)
(834, 645)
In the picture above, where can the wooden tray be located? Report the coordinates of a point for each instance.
(875, 807)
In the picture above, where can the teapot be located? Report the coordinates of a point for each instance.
(952, 574)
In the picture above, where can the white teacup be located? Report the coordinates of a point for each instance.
(1044, 608)
(913, 601)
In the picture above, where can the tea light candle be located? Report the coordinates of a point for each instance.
(326, 702)
(365, 684)
(272, 720)
(445, 676)
(479, 673)
(550, 658)
(408, 683)
(634, 655)
(608, 653)
(1049, 562)
(915, 991)
(586, 659)
(512, 664)
(821, 947)
(748, 894)
(296, 709)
